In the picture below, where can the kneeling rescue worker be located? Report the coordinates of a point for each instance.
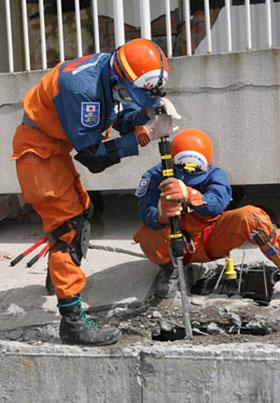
(199, 193)
(73, 106)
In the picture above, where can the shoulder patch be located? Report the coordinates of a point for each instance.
(90, 114)
(142, 187)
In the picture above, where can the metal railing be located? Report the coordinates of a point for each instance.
(117, 7)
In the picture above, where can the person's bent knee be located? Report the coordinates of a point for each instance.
(255, 218)
(73, 237)
(154, 243)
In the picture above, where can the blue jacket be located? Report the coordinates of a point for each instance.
(86, 108)
(213, 184)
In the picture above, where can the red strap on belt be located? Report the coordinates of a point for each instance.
(205, 239)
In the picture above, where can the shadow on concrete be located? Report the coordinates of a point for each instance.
(118, 221)
(118, 285)
(121, 284)
(22, 307)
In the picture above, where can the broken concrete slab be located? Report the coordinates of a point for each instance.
(113, 278)
(118, 278)
(129, 371)
(116, 269)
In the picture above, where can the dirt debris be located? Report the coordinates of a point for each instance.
(216, 318)
(212, 318)
(4, 256)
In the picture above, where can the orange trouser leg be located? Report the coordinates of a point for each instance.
(235, 227)
(154, 243)
(54, 189)
(231, 230)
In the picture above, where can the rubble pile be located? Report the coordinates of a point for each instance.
(218, 315)
(215, 319)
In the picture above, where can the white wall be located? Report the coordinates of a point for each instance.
(131, 9)
(234, 97)
(238, 21)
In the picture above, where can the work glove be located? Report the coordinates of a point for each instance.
(166, 107)
(159, 126)
(173, 189)
(167, 209)
(169, 108)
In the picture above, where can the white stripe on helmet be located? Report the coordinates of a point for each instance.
(191, 157)
(149, 79)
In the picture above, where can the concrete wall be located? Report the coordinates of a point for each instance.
(165, 373)
(234, 97)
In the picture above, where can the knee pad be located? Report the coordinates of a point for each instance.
(78, 247)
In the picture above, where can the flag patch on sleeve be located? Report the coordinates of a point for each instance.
(142, 187)
(90, 114)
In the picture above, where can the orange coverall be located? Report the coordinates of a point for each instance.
(213, 238)
(48, 178)
(72, 106)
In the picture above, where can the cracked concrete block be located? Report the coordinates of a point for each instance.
(67, 374)
(232, 373)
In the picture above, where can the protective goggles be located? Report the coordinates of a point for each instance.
(190, 168)
(191, 161)
(145, 98)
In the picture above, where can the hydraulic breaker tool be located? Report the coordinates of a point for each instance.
(177, 242)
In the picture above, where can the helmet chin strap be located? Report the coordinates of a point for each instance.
(116, 80)
(115, 95)
(158, 90)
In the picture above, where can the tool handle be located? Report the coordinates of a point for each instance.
(34, 246)
(32, 261)
(27, 251)
(37, 257)
(176, 236)
(16, 260)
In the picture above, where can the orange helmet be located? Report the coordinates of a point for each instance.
(142, 68)
(192, 149)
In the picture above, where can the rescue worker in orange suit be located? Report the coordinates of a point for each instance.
(199, 193)
(72, 107)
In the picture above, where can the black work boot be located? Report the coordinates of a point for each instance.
(76, 328)
(166, 282)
